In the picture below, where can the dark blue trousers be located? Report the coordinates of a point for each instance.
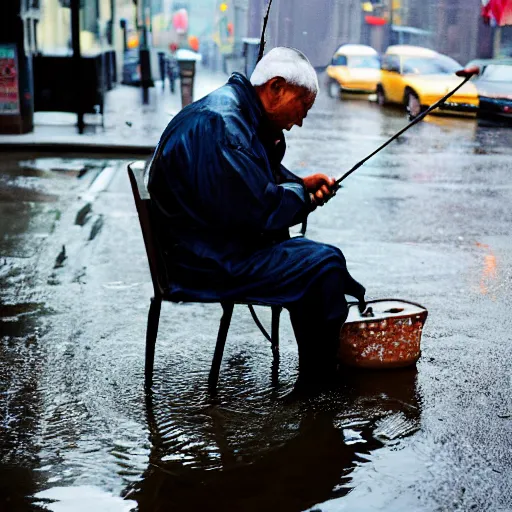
(317, 320)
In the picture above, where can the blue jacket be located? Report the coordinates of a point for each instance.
(223, 203)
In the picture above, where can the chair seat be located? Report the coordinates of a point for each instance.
(168, 298)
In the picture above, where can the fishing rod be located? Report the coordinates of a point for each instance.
(466, 73)
(262, 39)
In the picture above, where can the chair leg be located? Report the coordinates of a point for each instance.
(221, 341)
(276, 313)
(151, 334)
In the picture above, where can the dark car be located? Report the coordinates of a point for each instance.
(494, 85)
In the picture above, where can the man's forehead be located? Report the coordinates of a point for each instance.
(308, 98)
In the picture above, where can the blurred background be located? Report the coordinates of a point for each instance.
(137, 42)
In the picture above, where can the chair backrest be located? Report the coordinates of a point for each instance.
(143, 204)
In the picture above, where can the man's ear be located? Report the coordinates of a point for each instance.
(277, 86)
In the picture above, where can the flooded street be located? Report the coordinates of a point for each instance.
(428, 220)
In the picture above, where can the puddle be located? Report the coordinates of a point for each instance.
(15, 194)
(14, 311)
(82, 499)
(234, 457)
(74, 422)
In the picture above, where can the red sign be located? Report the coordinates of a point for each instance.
(9, 90)
(499, 11)
(375, 20)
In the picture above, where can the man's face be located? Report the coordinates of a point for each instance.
(290, 106)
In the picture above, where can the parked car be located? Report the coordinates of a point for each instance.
(494, 86)
(354, 68)
(417, 77)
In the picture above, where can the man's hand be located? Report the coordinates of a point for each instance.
(321, 188)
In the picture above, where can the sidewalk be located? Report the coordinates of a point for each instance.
(129, 126)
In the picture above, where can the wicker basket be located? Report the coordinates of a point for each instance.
(388, 337)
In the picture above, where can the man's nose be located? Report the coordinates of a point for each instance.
(299, 122)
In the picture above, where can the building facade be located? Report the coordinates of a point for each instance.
(453, 27)
(97, 25)
(316, 28)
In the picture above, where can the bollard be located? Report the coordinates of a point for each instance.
(251, 47)
(162, 65)
(187, 67)
(187, 73)
(172, 72)
(145, 74)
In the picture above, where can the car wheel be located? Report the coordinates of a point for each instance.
(381, 98)
(334, 89)
(413, 104)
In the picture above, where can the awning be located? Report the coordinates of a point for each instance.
(498, 12)
(411, 30)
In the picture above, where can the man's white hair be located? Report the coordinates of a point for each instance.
(288, 63)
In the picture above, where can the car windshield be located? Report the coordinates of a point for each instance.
(364, 61)
(430, 65)
(497, 73)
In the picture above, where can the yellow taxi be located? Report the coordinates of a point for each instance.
(355, 69)
(417, 77)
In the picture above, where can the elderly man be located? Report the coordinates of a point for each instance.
(224, 204)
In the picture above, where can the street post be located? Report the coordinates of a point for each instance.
(187, 65)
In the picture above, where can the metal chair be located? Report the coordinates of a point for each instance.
(159, 278)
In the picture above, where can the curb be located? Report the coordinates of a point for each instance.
(73, 147)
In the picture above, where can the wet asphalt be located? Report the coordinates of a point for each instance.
(428, 220)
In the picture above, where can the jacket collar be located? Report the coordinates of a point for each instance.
(250, 100)
(251, 103)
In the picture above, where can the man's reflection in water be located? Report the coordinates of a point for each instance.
(289, 472)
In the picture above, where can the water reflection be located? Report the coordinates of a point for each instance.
(283, 455)
(20, 398)
(489, 269)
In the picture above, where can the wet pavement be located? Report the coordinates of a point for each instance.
(427, 220)
(127, 126)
